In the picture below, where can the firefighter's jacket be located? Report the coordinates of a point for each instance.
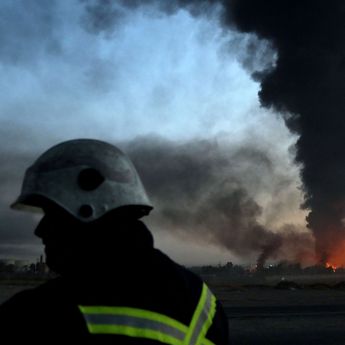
(145, 299)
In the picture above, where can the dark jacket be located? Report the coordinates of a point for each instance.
(147, 279)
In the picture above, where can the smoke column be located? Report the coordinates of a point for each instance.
(307, 87)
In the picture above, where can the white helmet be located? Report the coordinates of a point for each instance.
(87, 178)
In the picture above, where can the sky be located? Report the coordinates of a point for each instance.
(174, 91)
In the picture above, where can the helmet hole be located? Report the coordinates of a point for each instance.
(86, 211)
(90, 179)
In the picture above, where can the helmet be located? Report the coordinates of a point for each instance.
(86, 177)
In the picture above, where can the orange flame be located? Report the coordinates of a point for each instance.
(333, 267)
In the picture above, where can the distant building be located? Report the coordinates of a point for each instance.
(41, 266)
(23, 266)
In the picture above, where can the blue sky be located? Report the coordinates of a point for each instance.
(149, 75)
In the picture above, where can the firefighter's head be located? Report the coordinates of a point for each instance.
(79, 184)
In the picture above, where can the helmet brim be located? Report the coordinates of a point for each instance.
(26, 203)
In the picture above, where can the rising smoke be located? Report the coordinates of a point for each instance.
(202, 189)
(208, 191)
(305, 85)
(103, 16)
(213, 189)
(26, 35)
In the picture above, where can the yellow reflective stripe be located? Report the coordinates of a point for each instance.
(197, 314)
(208, 321)
(134, 332)
(202, 318)
(141, 313)
(136, 322)
(99, 320)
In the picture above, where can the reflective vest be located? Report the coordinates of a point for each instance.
(140, 323)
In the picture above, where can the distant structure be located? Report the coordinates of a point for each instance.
(12, 266)
(41, 266)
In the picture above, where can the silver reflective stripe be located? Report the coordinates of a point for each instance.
(137, 322)
(203, 318)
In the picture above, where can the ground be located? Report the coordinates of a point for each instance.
(266, 315)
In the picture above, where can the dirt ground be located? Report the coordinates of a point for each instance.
(254, 296)
(265, 315)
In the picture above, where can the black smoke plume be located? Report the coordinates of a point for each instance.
(307, 86)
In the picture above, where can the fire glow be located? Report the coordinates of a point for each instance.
(333, 267)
